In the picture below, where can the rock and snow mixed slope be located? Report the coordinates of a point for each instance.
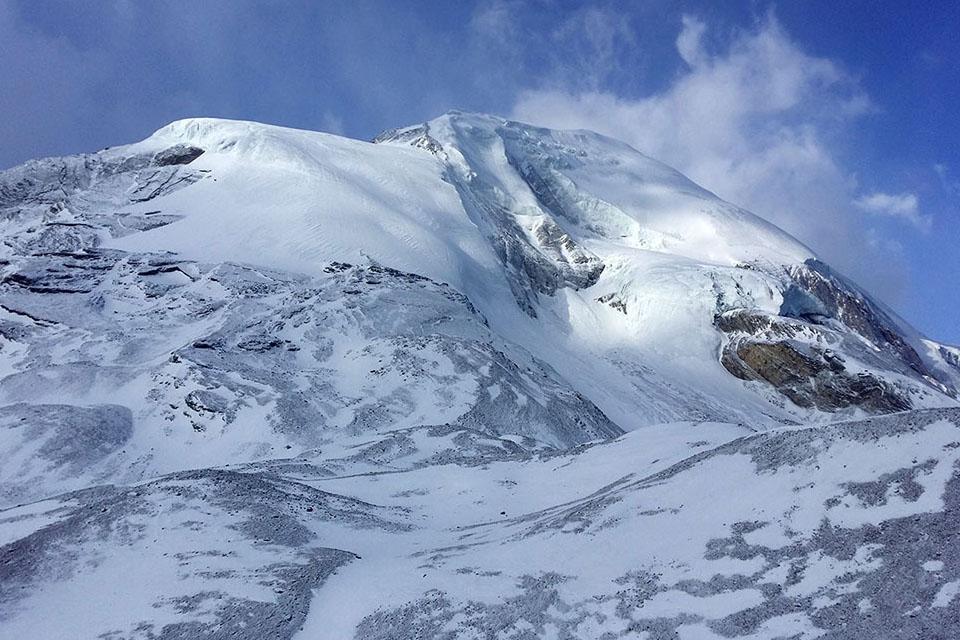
(477, 379)
(676, 531)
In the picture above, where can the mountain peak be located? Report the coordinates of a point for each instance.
(533, 225)
(476, 357)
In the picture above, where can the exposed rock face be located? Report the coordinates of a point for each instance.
(825, 348)
(552, 262)
(83, 186)
(803, 361)
(842, 301)
(538, 255)
(814, 379)
(950, 355)
(614, 301)
(179, 154)
(418, 137)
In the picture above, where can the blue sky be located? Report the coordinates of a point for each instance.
(839, 121)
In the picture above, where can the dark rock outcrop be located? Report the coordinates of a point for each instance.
(841, 300)
(178, 154)
(797, 350)
(816, 379)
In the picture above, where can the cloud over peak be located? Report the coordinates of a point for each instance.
(761, 123)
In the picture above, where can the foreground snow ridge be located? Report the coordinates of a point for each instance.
(476, 379)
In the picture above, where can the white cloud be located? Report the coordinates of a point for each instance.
(950, 186)
(496, 24)
(583, 48)
(905, 206)
(590, 45)
(690, 40)
(760, 123)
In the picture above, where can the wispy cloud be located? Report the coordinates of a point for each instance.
(950, 184)
(590, 45)
(690, 40)
(905, 206)
(332, 123)
(758, 121)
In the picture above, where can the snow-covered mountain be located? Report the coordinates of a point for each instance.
(474, 379)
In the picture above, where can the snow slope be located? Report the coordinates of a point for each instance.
(600, 261)
(473, 378)
(675, 531)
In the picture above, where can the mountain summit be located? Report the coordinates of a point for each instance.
(473, 377)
